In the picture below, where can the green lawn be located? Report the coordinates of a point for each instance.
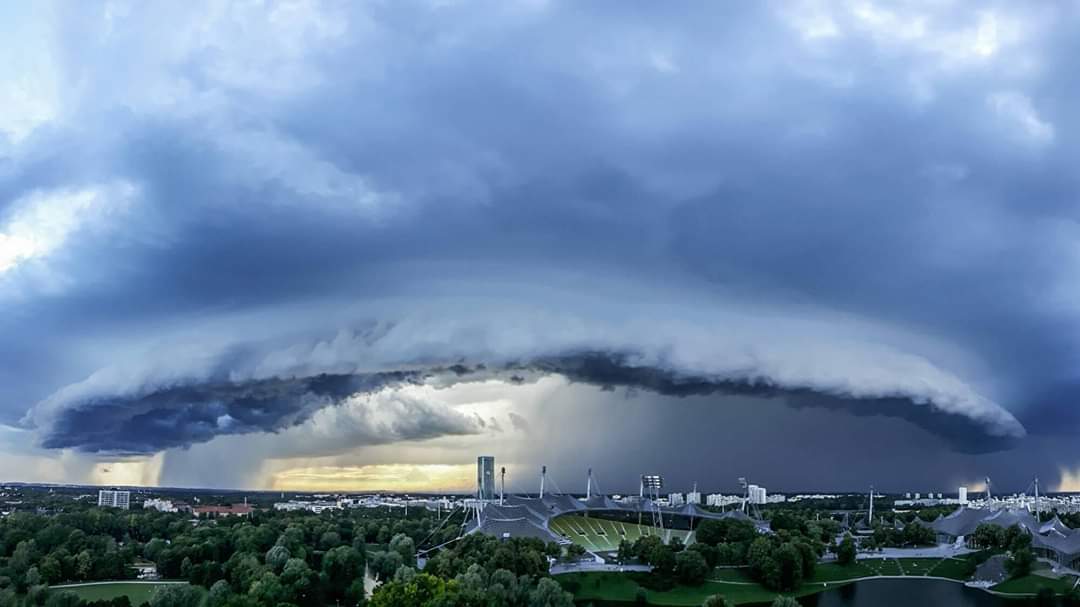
(831, 572)
(918, 566)
(731, 574)
(883, 566)
(138, 593)
(733, 582)
(1030, 584)
(954, 569)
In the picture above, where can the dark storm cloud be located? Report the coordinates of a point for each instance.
(740, 204)
(178, 416)
(171, 415)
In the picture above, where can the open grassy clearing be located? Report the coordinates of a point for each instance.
(137, 592)
(736, 584)
(1030, 584)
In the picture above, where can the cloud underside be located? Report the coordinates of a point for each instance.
(182, 415)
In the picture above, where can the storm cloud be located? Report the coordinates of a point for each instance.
(223, 220)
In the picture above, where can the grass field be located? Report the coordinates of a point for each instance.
(137, 592)
(831, 572)
(602, 535)
(952, 568)
(730, 574)
(883, 566)
(736, 585)
(1030, 584)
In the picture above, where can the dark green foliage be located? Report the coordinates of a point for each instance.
(1020, 562)
(691, 568)
(846, 551)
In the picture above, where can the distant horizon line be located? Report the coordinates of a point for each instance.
(436, 492)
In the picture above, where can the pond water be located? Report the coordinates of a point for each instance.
(905, 593)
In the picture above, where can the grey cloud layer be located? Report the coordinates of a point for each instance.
(166, 401)
(715, 197)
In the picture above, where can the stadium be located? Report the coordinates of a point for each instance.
(597, 523)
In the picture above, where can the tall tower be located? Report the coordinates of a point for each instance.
(485, 477)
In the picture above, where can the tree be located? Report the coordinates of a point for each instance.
(691, 568)
(548, 593)
(341, 566)
(709, 553)
(65, 598)
(785, 601)
(267, 590)
(404, 545)
(385, 564)
(663, 560)
(276, 557)
(717, 600)
(176, 595)
(329, 539)
(845, 552)
(989, 536)
(219, 594)
(790, 562)
(422, 589)
(1020, 562)
(575, 552)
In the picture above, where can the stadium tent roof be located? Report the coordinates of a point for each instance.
(1068, 545)
(1055, 526)
(513, 520)
(1009, 518)
(964, 521)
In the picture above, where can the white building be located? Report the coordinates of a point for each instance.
(962, 495)
(676, 499)
(112, 498)
(154, 503)
(756, 494)
(694, 497)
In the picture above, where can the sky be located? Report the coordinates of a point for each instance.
(331, 246)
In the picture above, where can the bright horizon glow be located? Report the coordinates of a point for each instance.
(427, 478)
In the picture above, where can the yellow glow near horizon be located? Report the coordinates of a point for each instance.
(1070, 481)
(140, 472)
(378, 477)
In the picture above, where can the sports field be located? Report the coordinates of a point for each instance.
(137, 592)
(602, 535)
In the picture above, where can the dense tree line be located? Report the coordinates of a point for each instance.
(269, 559)
(479, 571)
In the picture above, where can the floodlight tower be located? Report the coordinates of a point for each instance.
(543, 475)
(654, 482)
(988, 492)
(588, 485)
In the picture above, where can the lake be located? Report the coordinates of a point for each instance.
(905, 593)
